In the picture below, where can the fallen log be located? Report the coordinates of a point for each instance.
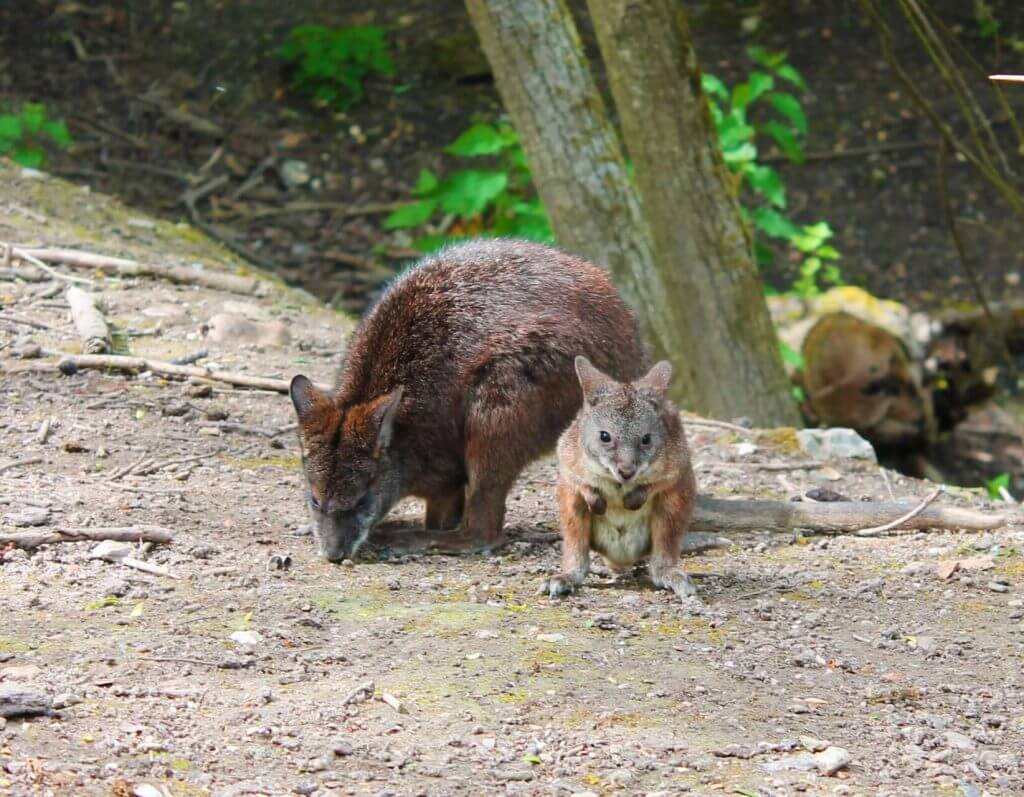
(22, 701)
(836, 517)
(88, 320)
(31, 540)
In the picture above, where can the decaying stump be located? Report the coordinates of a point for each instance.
(861, 376)
(921, 389)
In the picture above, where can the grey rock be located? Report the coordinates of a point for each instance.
(837, 443)
(996, 586)
(959, 741)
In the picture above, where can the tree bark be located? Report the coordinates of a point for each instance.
(704, 328)
(702, 247)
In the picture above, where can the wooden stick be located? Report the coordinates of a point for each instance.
(693, 420)
(26, 322)
(70, 364)
(218, 280)
(838, 517)
(917, 510)
(30, 540)
(21, 254)
(146, 567)
(20, 463)
(89, 321)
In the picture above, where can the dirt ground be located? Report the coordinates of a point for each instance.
(856, 642)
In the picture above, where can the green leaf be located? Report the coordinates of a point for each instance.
(33, 115)
(763, 253)
(733, 132)
(787, 72)
(791, 356)
(993, 485)
(740, 155)
(789, 106)
(787, 142)
(766, 58)
(58, 133)
(773, 223)
(468, 192)
(531, 759)
(31, 157)
(766, 181)
(11, 127)
(747, 92)
(426, 184)
(411, 215)
(827, 252)
(431, 243)
(812, 236)
(760, 84)
(482, 139)
(714, 86)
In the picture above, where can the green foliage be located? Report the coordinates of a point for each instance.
(988, 24)
(331, 63)
(997, 484)
(765, 108)
(499, 200)
(23, 135)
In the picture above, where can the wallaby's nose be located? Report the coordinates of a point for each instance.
(626, 472)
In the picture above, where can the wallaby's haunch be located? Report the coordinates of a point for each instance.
(625, 485)
(458, 378)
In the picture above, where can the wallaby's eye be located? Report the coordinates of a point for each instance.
(314, 502)
(645, 440)
(605, 437)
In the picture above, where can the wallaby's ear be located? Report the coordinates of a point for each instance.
(306, 397)
(383, 413)
(591, 380)
(657, 379)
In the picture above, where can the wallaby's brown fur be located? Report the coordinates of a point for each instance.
(626, 488)
(458, 378)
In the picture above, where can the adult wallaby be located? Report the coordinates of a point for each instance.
(459, 377)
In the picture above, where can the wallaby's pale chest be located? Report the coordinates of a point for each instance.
(622, 536)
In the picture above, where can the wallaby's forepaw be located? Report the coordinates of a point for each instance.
(559, 586)
(595, 502)
(635, 498)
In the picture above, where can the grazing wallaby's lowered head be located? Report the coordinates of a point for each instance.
(452, 383)
(346, 456)
(625, 485)
(620, 425)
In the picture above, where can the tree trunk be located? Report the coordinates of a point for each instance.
(578, 165)
(702, 247)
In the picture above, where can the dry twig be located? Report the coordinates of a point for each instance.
(217, 280)
(917, 510)
(34, 539)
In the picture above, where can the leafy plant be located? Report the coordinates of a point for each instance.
(766, 107)
(499, 200)
(23, 135)
(331, 63)
(996, 485)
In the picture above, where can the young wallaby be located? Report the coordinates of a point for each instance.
(625, 484)
(458, 378)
